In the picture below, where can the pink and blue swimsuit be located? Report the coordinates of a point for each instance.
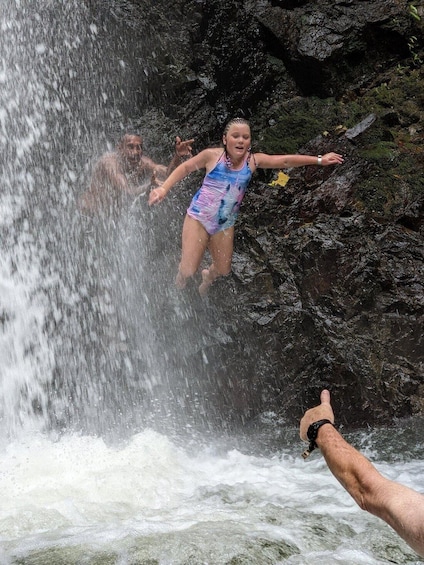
(217, 202)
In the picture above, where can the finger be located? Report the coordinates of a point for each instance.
(325, 397)
(177, 140)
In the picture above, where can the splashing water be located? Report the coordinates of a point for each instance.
(153, 501)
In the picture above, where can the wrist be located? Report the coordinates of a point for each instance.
(312, 435)
(163, 191)
(315, 427)
(322, 431)
(319, 160)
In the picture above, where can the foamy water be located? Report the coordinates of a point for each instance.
(79, 500)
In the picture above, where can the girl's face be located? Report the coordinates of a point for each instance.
(237, 140)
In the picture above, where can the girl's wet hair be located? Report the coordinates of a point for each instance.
(236, 121)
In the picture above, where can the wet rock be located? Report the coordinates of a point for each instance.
(351, 133)
(327, 281)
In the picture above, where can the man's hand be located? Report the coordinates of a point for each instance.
(183, 148)
(321, 412)
(155, 182)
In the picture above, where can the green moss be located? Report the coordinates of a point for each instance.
(404, 85)
(392, 148)
(387, 188)
(296, 123)
(372, 194)
(383, 152)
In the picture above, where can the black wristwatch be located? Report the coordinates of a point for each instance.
(312, 434)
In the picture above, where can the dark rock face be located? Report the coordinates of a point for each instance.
(312, 37)
(327, 286)
(344, 314)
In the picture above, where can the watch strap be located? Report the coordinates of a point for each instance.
(312, 434)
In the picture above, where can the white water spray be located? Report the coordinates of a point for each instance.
(53, 99)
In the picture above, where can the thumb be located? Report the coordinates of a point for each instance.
(325, 397)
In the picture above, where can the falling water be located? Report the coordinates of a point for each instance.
(68, 306)
(100, 462)
(42, 141)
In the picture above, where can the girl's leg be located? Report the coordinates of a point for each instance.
(221, 249)
(194, 243)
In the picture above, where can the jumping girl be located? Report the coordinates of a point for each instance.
(210, 218)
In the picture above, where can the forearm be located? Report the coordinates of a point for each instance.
(401, 507)
(175, 161)
(199, 161)
(290, 161)
(175, 177)
(159, 193)
(356, 474)
(286, 161)
(202, 160)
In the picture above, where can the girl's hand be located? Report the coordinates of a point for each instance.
(332, 159)
(156, 195)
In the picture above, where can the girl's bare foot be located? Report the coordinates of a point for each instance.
(206, 282)
(180, 281)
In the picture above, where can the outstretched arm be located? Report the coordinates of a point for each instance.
(182, 149)
(199, 161)
(401, 507)
(265, 161)
(160, 172)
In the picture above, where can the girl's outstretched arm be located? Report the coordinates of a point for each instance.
(265, 161)
(199, 161)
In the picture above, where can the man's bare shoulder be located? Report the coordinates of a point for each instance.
(108, 157)
(108, 162)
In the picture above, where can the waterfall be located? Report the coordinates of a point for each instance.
(65, 88)
(92, 333)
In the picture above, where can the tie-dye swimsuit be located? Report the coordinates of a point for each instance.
(217, 202)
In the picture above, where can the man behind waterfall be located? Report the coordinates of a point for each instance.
(125, 173)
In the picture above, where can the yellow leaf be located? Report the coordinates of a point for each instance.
(281, 180)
